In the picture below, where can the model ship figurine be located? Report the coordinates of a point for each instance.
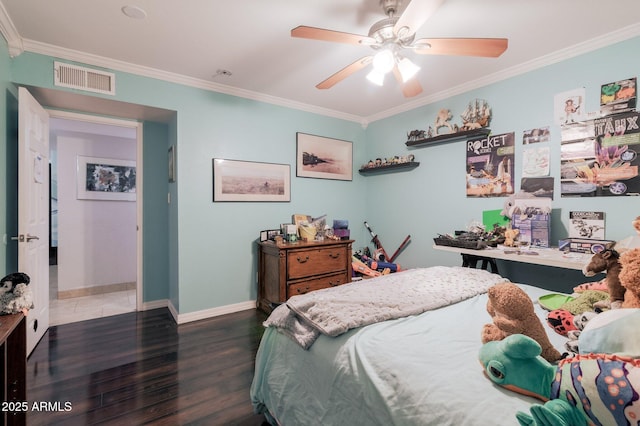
(476, 115)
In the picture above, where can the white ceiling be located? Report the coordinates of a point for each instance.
(188, 41)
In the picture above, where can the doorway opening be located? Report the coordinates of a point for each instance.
(94, 265)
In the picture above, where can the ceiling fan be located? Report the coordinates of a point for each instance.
(393, 34)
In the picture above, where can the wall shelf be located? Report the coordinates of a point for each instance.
(391, 168)
(450, 137)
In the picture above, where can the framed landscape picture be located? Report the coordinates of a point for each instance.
(235, 180)
(105, 179)
(323, 158)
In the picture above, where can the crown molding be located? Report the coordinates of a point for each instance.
(18, 45)
(112, 64)
(622, 34)
(10, 33)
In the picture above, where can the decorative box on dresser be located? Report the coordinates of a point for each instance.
(288, 269)
(13, 353)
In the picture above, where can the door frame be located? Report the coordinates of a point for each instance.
(137, 125)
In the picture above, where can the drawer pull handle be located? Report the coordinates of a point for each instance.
(334, 284)
(302, 291)
(334, 255)
(305, 260)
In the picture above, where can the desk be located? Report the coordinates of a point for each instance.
(545, 257)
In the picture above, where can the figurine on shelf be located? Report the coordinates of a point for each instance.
(415, 135)
(443, 120)
(476, 116)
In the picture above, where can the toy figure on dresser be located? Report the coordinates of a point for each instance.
(15, 294)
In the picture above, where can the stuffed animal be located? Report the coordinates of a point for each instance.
(630, 277)
(15, 294)
(512, 312)
(580, 323)
(510, 236)
(632, 241)
(599, 389)
(607, 260)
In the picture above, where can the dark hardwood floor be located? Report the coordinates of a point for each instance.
(143, 368)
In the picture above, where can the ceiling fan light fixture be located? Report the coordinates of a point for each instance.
(407, 69)
(383, 61)
(376, 77)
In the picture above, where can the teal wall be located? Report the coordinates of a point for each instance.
(210, 247)
(155, 261)
(206, 256)
(8, 164)
(431, 199)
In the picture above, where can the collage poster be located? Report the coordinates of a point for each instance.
(600, 158)
(490, 162)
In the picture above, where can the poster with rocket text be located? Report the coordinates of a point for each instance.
(490, 162)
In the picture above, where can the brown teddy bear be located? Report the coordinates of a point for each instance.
(630, 277)
(512, 313)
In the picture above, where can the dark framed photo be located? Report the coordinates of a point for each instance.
(235, 180)
(323, 158)
(107, 179)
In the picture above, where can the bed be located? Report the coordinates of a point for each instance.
(420, 369)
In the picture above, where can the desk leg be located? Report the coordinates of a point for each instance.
(471, 261)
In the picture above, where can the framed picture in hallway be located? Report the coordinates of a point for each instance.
(235, 180)
(106, 179)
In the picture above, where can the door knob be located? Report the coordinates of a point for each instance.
(21, 238)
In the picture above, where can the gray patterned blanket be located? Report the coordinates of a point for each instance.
(335, 310)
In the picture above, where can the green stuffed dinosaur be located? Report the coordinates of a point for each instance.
(594, 389)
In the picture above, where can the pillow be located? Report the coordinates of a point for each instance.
(612, 332)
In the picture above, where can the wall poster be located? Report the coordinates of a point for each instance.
(603, 161)
(490, 163)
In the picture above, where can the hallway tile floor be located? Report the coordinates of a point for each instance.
(64, 311)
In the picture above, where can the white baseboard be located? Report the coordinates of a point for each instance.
(208, 313)
(155, 304)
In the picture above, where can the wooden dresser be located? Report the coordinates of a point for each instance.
(13, 353)
(287, 269)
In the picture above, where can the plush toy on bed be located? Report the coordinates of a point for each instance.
(15, 294)
(630, 277)
(599, 389)
(512, 312)
(607, 260)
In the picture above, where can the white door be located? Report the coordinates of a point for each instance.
(33, 210)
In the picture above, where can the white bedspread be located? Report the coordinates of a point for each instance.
(416, 371)
(336, 310)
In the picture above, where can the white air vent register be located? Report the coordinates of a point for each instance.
(82, 78)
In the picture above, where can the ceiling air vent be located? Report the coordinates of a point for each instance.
(83, 78)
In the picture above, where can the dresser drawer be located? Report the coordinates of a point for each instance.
(317, 284)
(305, 263)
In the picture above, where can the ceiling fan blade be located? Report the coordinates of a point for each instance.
(410, 88)
(345, 72)
(486, 47)
(330, 35)
(414, 16)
